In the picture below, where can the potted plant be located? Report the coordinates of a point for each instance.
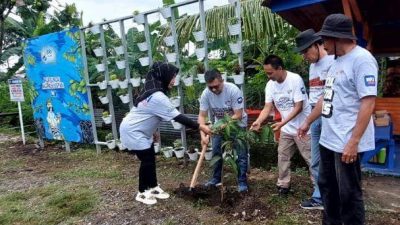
(167, 151)
(187, 74)
(113, 81)
(169, 41)
(238, 75)
(135, 80)
(97, 49)
(120, 145)
(166, 12)
(110, 141)
(106, 117)
(123, 95)
(198, 35)
(236, 47)
(100, 66)
(223, 73)
(101, 82)
(144, 61)
(121, 62)
(178, 149)
(171, 57)
(139, 18)
(192, 153)
(123, 82)
(176, 125)
(156, 147)
(176, 101)
(95, 29)
(234, 26)
(141, 42)
(103, 97)
(200, 72)
(200, 51)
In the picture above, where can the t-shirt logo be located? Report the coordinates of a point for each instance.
(303, 90)
(369, 80)
(240, 100)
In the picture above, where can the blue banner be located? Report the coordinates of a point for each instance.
(57, 86)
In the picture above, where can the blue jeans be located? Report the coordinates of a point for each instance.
(241, 161)
(315, 157)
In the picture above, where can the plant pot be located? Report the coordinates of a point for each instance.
(102, 85)
(166, 12)
(239, 79)
(98, 51)
(177, 80)
(121, 146)
(200, 77)
(176, 125)
(124, 98)
(139, 19)
(168, 152)
(119, 50)
(171, 57)
(176, 101)
(100, 68)
(107, 120)
(234, 29)
(179, 152)
(236, 48)
(188, 81)
(169, 41)
(120, 64)
(111, 144)
(144, 61)
(95, 29)
(157, 147)
(143, 81)
(103, 100)
(193, 156)
(200, 53)
(232, 1)
(224, 76)
(208, 155)
(135, 81)
(113, 84)
(142, 46)
(123, 84)
(198, 36)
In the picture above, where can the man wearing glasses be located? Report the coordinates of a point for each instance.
(222, 98)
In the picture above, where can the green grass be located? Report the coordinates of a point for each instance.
(98, 172)
(47, 205)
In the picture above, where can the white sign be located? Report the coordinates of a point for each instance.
(16, 90)
(52, 83)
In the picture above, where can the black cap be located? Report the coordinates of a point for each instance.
(337, 26)
(305, 39)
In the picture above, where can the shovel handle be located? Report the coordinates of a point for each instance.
(198, 166)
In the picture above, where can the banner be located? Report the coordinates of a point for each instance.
(54, 68)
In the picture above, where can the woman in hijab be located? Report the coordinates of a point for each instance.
(137, 128)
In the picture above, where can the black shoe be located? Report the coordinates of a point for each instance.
(311, 204)
(283, 191)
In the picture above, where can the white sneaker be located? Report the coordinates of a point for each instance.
(146, 197)
(159, 193)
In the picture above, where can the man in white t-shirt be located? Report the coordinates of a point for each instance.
(312, 49)
(222, 98)
(287, 92)
(347, 127)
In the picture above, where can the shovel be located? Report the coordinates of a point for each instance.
(198, 166)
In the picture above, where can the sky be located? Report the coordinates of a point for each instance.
(97, 10)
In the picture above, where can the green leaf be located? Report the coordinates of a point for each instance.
(214, 160)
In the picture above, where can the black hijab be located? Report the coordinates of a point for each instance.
(157, 79)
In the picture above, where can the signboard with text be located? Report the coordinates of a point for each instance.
(16, 90)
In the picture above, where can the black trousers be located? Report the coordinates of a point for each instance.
(340, 186)
(147, 170)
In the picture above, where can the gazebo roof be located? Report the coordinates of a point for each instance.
(377, 22)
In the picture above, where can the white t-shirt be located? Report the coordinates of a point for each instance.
(350, 78)
(284, 95)
(230, 99)
(138, 127)
(318, 72)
